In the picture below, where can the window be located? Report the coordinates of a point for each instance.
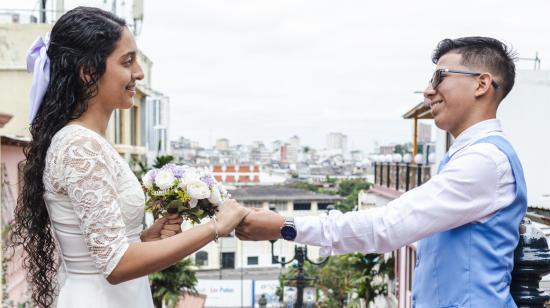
(322, 206)
(304, 206)
(253, 204)
(228, 260)
(252, 261)
(201, 258)
(279, 206)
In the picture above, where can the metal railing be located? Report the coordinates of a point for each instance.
(401, 176)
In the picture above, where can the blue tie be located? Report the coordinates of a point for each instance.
(443, 162)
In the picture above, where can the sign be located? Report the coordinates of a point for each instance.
(226, 293)
(289, 294)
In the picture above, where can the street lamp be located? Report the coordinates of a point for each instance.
(300, 256)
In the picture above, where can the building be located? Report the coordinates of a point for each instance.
(424, 133)
(154, 117)
(222, 144)
(237, 175)
(11, 155)
(134, 133)
(337, 141)
(231, 259)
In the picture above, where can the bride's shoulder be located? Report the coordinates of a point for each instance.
(74, 134)
(77, 140)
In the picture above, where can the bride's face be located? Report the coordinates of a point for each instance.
(117, 86)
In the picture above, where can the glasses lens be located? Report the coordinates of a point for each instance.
(436, 79)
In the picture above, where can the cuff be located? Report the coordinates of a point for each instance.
(310, 231)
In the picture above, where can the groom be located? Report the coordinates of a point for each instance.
(465, 218)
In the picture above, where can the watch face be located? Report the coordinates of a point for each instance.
(288, 233)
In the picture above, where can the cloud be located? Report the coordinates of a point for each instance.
(265, 70)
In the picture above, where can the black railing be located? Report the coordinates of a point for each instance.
(401, 176)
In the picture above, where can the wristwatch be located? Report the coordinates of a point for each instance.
(288, 230)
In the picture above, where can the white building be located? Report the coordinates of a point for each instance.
(231, 259)
(337, 141)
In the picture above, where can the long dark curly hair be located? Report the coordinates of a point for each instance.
(80, 42)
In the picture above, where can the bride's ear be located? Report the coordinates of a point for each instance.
(86, 75)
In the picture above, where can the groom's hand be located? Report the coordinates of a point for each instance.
(260, 225)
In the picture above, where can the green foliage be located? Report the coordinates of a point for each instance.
(350, 190)
(344, 274)
(163, 160)
(306, 186)
(167, 285)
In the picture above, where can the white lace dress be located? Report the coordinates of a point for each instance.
(96, 205)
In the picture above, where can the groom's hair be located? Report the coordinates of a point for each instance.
(483, 53)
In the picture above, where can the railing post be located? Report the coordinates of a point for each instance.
(408, 177)
(418, 175)
(388, 174)
(531, 263)
(397, 176)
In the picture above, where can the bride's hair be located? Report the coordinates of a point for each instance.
(80, 42)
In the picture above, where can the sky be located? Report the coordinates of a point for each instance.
(265, 70)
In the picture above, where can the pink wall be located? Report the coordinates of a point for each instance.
(10, 156)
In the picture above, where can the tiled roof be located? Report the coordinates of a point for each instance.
(283, 193)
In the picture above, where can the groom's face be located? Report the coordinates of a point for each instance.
(453, 99)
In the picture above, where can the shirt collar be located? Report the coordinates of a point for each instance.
(474, 133)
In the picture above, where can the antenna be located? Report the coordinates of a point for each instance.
(536, 61)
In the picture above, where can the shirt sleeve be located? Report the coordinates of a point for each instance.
(90, 176)
(462, 193)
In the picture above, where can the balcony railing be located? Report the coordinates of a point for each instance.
(401, 176)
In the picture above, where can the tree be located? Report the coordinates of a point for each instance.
(350, 190)
(167, 285)
(365, 275)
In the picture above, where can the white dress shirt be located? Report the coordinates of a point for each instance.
(475, 183)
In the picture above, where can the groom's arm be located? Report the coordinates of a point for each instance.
(453, 198)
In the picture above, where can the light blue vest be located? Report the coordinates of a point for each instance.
(471, 265)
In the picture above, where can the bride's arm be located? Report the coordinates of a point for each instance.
(144, 258)
(91, 173)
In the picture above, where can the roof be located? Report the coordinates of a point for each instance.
(282, 193)
(419, 111)
(17, 141)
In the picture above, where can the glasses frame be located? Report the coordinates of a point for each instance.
(438, 76)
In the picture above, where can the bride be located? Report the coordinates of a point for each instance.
(80, 200)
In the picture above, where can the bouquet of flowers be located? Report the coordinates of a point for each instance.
(191, 192)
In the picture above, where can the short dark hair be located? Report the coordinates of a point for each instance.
(486, 52)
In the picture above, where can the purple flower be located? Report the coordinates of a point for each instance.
(208, 179)
(153, 174)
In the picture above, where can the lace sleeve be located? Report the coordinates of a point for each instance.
(90, 172)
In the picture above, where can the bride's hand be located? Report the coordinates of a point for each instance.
(162, 228)
(230, 216)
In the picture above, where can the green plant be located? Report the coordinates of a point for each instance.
(167, 285)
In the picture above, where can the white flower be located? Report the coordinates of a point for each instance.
(215, 197)
(164, 179)
(197, 189)
(189, 176)
(193, 203)
(146, 180)
(223, 191)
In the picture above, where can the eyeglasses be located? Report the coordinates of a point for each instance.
(439, 74)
